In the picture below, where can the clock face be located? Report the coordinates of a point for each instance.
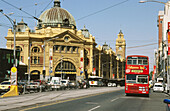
(66, 39)
(120, 48)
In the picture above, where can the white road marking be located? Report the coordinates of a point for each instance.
(94, 108)
(114, 99)
(136, 98)
(91, 103)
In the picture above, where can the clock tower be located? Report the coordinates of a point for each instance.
(120, 46)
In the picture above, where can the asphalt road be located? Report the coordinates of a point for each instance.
(110, 101)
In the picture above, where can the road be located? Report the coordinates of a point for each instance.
(108, 101)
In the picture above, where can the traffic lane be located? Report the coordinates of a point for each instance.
(137, 103)
(87, 103)
(114, 101)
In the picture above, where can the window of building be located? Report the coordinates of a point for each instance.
(62, 48)
(35, 49)
(56, 47)
(18, 48)
(74, 49)
(21, 58)
(35, 60)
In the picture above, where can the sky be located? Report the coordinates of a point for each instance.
(103, 18)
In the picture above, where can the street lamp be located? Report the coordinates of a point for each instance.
(44, 72)
(13, 22)
(151, 1)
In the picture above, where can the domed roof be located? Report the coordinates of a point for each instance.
(56, 15)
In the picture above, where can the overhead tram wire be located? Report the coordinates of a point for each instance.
(45, 8)
(102, 10)
(22, 10)
(141, 46)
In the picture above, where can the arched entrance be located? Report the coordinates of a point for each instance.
(35, 74)
(66, 70)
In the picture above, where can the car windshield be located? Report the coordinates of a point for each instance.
(130, 78)
(158, 85)
(63, 81)
(56, 82)
(139, 79)
(33, 83)
(142, 79)
(5, 83)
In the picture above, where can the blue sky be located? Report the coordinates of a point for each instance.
(138, 21)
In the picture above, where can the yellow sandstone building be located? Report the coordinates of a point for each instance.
(57, 48)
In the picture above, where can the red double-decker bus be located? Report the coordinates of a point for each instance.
(137, 75)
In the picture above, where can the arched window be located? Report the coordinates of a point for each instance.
(18, 48)
(35, 49)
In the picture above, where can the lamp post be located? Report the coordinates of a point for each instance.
(44, 71)
(61, 67)
(13, 22)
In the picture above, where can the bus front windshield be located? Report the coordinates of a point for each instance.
(138, 79)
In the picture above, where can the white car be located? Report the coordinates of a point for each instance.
(158, 87)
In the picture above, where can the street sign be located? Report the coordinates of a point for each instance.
(50, 71)
(14, 76)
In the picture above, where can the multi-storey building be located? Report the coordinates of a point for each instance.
(57, 48)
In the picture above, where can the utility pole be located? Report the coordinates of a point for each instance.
(61, 67)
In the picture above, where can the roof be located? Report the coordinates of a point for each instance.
(56, 15)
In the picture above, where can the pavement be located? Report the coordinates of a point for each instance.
(47, 97)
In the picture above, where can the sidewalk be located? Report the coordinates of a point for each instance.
(44, 97)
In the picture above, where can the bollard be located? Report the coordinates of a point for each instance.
(40, 89)
(24, 90)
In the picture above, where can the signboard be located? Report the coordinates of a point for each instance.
(133, 69)
(113, 76)
(94, 71)
(168, 43)
(81, 61)
(154, 71)
(13, 76)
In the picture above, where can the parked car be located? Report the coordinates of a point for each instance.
(6, 85)
(55, 83)
(100, 84)
(158, 87)
(72, 85)
(43, 84)
(33, 87)
(111, 84)
(64, 83)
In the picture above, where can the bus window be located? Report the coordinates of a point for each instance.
(130, 78)
(139, 62)
(129, 62)
(142, 79)
(145, 62)
(134, 62)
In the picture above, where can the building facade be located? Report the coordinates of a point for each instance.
(57, 48)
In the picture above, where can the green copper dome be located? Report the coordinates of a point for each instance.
(56, 15)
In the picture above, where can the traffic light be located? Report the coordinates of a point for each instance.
(86, 74)
(44, 72)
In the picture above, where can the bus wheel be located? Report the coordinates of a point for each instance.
(126, 94)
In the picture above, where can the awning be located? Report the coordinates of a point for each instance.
(65, 72)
